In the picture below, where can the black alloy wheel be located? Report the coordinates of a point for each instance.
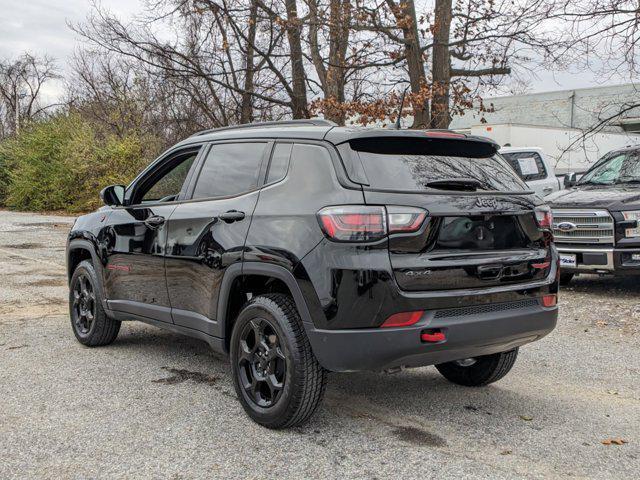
(84, 304)
(262, 365)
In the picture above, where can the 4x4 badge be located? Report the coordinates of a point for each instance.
(484, 202)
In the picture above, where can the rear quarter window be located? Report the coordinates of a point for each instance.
(279, 162)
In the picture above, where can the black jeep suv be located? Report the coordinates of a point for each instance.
(302, 247)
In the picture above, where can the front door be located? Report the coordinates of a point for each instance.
(134, 271)
(206, 234)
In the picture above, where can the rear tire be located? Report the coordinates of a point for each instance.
(277, 378)
(565, 278)
(485, 370)
(90, 323)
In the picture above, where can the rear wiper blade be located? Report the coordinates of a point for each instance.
(464, 184)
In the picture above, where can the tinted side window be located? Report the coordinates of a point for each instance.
(167, 186)
(279, 162)
(528, 165)
(230, 169)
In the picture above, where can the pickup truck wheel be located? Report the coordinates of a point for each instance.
(91, 325)
(479, 371)
(278, 380)
(565, 279)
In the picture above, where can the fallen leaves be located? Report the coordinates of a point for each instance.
(614, 441)
(526, 418)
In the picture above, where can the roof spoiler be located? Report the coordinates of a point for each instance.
(426, 143)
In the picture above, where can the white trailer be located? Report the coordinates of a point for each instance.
(567, 147)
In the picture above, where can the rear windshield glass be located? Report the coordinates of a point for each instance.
(412, 172)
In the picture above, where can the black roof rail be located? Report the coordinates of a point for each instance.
(317, 122)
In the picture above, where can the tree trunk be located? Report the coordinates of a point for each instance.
(246, 108)
(298, 76)
(332, 78)
(339, 23)
(406, 18)
(441, 67)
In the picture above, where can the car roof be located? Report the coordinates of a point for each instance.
(317, 129)
(308, 132)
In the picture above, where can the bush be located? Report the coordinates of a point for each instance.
(63, 162)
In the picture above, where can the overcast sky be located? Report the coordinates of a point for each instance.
(40, 27)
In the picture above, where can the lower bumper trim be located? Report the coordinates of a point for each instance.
(466, 336)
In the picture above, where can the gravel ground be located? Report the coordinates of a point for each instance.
(155, 404)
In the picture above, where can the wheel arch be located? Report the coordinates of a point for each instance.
(79, 250)
(251, 276)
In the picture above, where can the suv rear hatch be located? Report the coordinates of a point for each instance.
(481, 228)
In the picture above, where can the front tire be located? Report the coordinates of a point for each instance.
(91, 325)
(479, 371)
(277, 378)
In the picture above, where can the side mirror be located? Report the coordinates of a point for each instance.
(113, 195)
(570, 179)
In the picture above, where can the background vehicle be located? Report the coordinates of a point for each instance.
(595, 221)
(301, 248)
(567, 148)
(534, 167)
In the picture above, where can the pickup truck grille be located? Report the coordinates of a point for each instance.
(583, 226)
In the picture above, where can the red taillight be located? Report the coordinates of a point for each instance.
(549, 300)
(541, 266)
(364, 223)
(403, 319)
(353, 223)
(405, 219)
(544, 217)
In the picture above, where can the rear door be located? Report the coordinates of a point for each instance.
(481, 228)
(207, 233)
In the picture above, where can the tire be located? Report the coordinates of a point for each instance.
(277, 378)
(91, 325)
(485, 370)
(565, 279)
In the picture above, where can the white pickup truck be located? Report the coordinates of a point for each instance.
(534, 167)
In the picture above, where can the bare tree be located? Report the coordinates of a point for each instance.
(456, 50)
(21, 83)
(603, 36)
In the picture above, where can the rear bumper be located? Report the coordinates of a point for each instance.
(468, 333)
(601, 260)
